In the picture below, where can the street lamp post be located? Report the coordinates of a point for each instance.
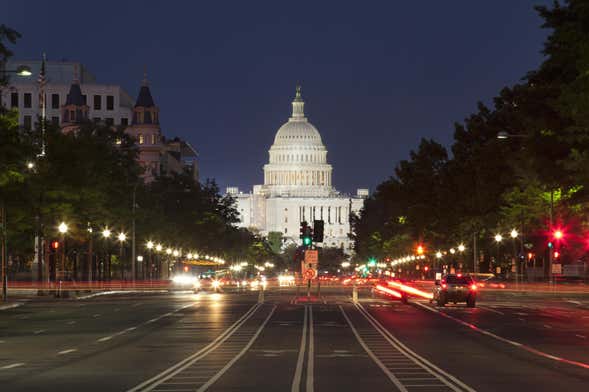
(122, 237)
(106, 266)
(62, 228)
(4, 250)
(514, 234)
(149, 246)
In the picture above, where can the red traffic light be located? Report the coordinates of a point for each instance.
(530, 256)
(556, 254)
(55, 244)
(558, 234)
(426, 268)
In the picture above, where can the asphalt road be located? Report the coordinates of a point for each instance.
(284, 342)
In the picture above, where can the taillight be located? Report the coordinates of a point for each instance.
(473, 287)
(444, 285)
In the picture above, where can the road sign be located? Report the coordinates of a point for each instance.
(557, 269)
(310, 273)
(312, 256)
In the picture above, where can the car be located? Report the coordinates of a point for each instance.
(455, 288)
(185, 282)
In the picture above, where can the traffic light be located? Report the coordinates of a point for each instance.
(306, 234)
(558, 234)
(556, 255)
(318, 231)
(372, 262)
(54, 245)
(303, 229)
(420, 249)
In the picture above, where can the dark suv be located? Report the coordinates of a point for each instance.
(455, 288)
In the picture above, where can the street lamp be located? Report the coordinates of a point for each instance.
(514, 233)
(62, 228)
(461, 248)
(504, 135)
(122, 237)
(498, 238)
(106, 233)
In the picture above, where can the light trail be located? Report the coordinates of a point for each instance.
(410, 290)
(388, 291)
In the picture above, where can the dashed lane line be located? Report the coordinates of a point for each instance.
(529, 349)
(310, 359)
(39, 331)
(68, 351)
(12, 366)
(124, 331)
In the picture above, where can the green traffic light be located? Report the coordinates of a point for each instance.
(307, 241)
(372, 262)
(550, 244)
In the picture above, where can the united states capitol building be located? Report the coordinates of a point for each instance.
(297, 187)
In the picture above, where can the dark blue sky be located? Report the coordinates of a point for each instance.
(376, 76)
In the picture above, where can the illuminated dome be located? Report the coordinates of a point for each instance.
(298, 159)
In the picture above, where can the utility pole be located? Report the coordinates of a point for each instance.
(475, 265)
(133, 252)
(550, 249)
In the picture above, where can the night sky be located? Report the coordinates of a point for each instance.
(376, 76)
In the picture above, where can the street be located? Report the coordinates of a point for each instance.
(280, 341)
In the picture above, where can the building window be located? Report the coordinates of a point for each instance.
(109, 121)
(110, 102)
(140, 137)
(285, 219)
(96, 119)
(28, 100)
(54, 101)
(124, 121)
(14, 100)
(97, 102)
(55, 120)
(153, 138)
(85, 99)
(118, 141)
(285, 230)
(28, 122)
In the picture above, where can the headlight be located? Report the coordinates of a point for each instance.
(197, 284)
(183, 279)
(215, 284)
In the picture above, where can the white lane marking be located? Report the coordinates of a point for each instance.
(311, 355)
(239, 355)
(70, 350)
(71, 322)
(547, 326)
(296, 381)
(445, 377)
(96, 315)
(513, 343)
(124, 331)
(491, 310)
(521, 319)
(581, 336)
(381, 365)
(13, 365)
(575, 302)
(37, 332)
(2, 341)
(160, 378)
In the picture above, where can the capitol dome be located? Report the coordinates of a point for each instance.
(298, 159)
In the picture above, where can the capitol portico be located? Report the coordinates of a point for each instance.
(297, 187)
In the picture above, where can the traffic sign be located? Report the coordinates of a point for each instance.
(312, 256)
(310, 273)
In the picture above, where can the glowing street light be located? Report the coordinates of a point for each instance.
(345, 264)
(514, 233)
(62, 228)
(122, 237)
(30, 165)
(159, 247)
(461, 248)
(169, 251)
(498, 238)
(149, 245)
(438, 254)
(175, 253)
(452, 250)
(106, 233)
(558, 234)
